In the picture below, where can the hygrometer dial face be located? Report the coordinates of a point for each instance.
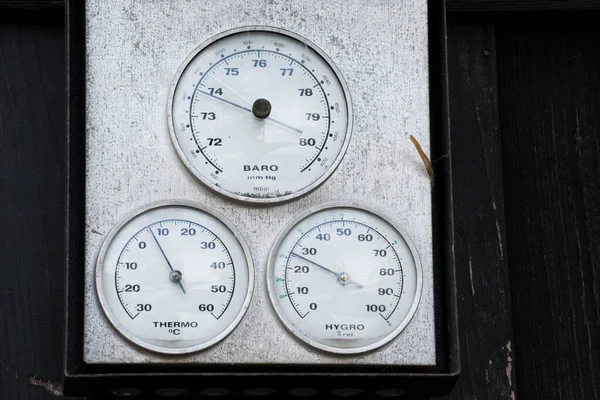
(345, 279)
(174, 277)
(260, 115)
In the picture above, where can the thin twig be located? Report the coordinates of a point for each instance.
(424, 158)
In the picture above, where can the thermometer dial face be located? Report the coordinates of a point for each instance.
(260, 115)
(344, 279)
(174, 278)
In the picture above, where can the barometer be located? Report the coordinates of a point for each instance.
(174, 277)
(260, 114)
(344, 278)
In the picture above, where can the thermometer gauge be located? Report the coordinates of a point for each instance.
(260, 114)
(174, 277)
(344, 278)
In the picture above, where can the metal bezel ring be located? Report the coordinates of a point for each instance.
(120, 328)
(217, 188)
(292, 329)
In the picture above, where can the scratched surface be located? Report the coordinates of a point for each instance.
(133, 51)
(551, 151)
(32, 185)
(487, 345)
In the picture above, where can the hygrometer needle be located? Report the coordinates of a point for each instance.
(249, 110)
(318, 265)
(341, 277)
(353, 282)
(166, 259)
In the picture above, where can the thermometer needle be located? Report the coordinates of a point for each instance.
(250, 111)
(166, 259)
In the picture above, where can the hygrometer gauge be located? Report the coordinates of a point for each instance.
(344, 278)
(174, 277)
(260, 114)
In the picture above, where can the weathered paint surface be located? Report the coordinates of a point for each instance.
(134, 49)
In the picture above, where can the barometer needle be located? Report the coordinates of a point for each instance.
(249, 110)
(229, 88)
(166, 259)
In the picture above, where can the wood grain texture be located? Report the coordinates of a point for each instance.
(482, 268)
(551, 148)
(31, 5)
(31, 204)
(521, 5)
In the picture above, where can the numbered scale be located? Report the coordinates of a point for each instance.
(174, 277)
(260, 114)
(344, 278)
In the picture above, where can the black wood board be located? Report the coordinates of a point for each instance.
(480, 234)
(520, 5)
(32, 182)
(31, 5)
(550, 116)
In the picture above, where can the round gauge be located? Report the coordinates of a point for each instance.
(174, 277)
(260, 114)
(344, 278)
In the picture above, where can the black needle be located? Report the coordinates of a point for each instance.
(249, 110)
(318, 265)
(166, 259)
(341, 277)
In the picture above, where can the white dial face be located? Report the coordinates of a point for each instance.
(174, 278)
(260, 115)
(344, 279)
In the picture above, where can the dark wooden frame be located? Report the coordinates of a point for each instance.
(83, 379)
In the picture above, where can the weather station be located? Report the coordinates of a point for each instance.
(252, 206)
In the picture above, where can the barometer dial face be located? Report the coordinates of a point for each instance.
(174, 277)
(260, 115)
(344, 278)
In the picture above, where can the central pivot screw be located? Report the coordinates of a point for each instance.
(261, 108)
(344, 277)
(176, 276)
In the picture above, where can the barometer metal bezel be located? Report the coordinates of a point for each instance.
(257, 200)
(122, 330)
